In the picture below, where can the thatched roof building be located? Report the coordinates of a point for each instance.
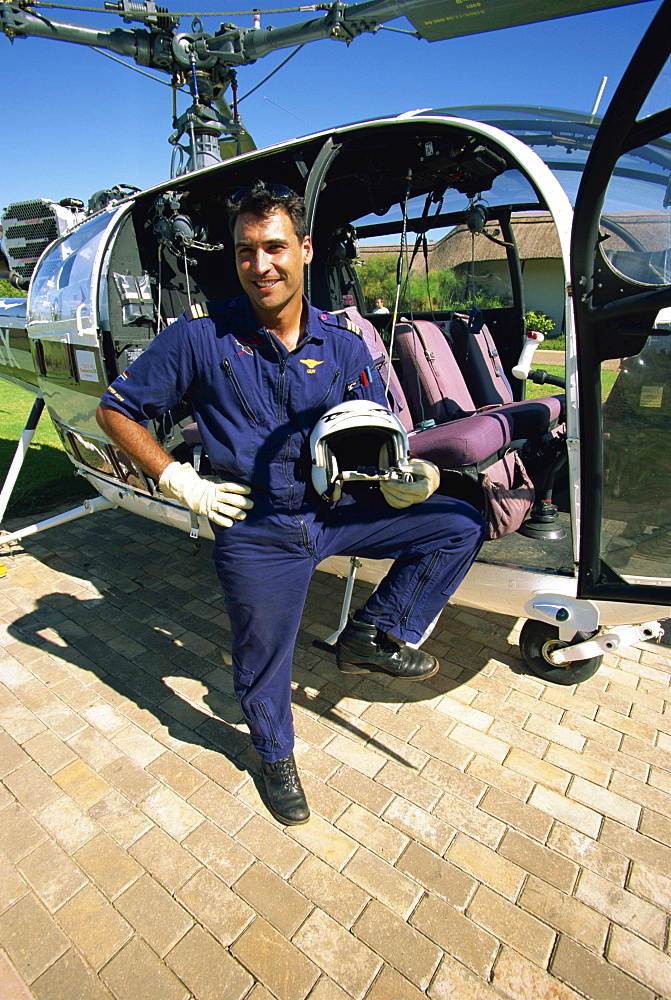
(535, 235)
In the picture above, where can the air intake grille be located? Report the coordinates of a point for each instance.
(29, 227)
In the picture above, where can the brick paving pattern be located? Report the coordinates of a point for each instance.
(481, 836)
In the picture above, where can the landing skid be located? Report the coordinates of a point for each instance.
(88, 507)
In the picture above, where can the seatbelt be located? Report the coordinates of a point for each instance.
(476, 319)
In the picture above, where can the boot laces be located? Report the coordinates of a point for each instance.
(286, 770)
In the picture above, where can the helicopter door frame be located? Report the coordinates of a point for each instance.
(325, 157)
(620, 327)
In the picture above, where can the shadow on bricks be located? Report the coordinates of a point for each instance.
(149, 623)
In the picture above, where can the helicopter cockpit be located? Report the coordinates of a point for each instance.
(379, 195)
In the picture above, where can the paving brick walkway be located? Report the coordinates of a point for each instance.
(478, 837)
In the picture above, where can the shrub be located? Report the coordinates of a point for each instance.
(540, 322)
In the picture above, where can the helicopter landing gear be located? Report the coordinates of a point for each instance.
(538, 640)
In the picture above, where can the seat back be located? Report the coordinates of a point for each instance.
(430, 386)
(429, 373)
(396, 399)
(479, 360)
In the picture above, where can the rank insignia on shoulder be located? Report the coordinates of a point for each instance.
(351, 326)
(343, 321)
(198, 310)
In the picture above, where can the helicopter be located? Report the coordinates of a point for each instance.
(590, 568)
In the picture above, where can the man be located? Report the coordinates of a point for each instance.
(380, 307)
(259, 371)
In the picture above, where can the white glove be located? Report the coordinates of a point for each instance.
(426, 481)
(223, 503)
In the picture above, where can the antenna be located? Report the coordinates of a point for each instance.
(599, 95)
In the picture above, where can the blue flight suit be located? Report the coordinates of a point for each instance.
(256, 403)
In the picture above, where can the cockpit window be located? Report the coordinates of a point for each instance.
(636, 221)
(511, 188)
(563, 139)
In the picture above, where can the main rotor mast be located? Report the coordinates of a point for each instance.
(207, 62)
(204, 62)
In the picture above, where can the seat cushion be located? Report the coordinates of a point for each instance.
(479, 438)
(479, 360)
(429, 374)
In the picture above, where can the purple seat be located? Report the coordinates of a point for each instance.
(481, 438)
(431, 386)
(191, 434)
(478, 359)
(429, 374)
(395, 396)
(436, 389)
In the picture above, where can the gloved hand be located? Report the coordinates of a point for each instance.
(223, 503)
(426, 481)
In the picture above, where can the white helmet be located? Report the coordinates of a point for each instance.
(358, 440)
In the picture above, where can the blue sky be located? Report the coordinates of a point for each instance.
(74, 121)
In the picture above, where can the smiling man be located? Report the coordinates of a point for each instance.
(259, 371)
(271, 253)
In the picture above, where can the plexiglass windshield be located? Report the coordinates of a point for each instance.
(563, 140)
(636, 243)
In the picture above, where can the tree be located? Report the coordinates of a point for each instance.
(423, 291)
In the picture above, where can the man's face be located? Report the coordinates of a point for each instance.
(270, 260)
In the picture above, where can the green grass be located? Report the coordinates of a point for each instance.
(47, 478)
(8, 291)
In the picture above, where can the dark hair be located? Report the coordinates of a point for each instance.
(260, 199)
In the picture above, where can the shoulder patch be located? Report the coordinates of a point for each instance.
(342, 320)
(198, 310)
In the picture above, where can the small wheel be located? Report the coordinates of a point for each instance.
(538, 640)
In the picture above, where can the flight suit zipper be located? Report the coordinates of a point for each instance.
(228, 368)
(336, 376)
(287, 447)
(306, 534)
(266, 716)
(425, 576)
(283, 368)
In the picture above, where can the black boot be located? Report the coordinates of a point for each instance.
(286, 798)
(362, 648)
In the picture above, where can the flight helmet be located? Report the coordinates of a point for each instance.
(356, 441)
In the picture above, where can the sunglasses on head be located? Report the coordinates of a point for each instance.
(274, 190)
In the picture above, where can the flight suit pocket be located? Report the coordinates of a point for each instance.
(310, 394)
(245, 390)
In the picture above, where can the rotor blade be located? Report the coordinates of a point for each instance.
(15, 21)
(165, 50)
(433, 19)
(438, 19)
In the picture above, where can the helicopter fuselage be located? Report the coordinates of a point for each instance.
(101, 293)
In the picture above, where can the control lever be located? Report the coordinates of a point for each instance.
(534, 339)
